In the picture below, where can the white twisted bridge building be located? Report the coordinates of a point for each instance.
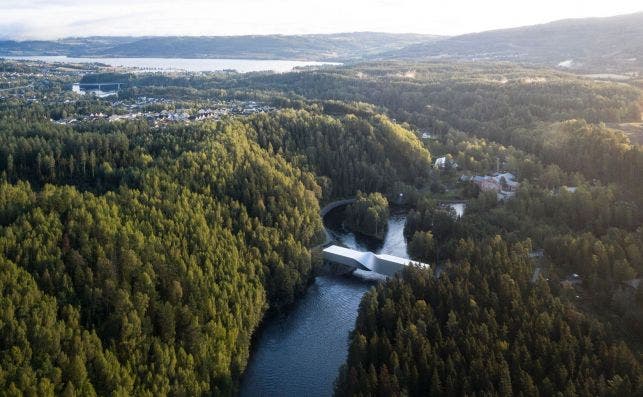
(387, 265)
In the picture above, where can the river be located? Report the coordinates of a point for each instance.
(299, 354)
(185, 64)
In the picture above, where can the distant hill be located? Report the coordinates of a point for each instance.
(591, 44)
(317, 47)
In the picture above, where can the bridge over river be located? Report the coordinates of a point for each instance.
(328, 208)
(319, 325)
(335, 204)
(387, 265)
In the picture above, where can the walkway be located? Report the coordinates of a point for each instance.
(387, 265)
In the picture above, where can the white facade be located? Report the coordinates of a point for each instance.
(384, 264)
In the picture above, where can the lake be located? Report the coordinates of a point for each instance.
(185, 64)
(300, 353)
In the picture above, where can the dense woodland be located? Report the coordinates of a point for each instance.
(482, 328)
(137, 260)
(579, 204)
(368, 215)
(183, 271)
(155, 253)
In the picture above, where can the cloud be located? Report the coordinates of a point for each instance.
(12, 30)
(46, 19)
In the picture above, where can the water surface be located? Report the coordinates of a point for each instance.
(300, 354)
(186, 64)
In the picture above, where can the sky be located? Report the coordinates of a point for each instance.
(51, 19)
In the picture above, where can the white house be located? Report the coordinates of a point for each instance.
(442, 162)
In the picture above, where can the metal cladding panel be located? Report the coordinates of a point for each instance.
(387, 265)
(342, 260)
(387, 268)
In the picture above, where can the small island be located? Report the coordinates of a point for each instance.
(368, 215)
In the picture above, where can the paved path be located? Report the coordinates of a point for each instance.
(324, 211)
(331, 206)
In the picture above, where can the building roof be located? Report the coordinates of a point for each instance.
(570, 189)
(507, 175)
(384, 264)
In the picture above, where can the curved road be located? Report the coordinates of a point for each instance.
(331, 206)
(328, 208)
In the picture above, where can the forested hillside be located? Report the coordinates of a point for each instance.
(503, 103)
(140, 252)
(482, 327)
(368, 215)
(348, 153)
(312, 47)
(566, 244)
(183, 271)
(140, 260)
(587, 44)
(545, 127)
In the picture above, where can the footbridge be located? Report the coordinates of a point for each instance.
(387, 265)
(335, 204)
(328, 208)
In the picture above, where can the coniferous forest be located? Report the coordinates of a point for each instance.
(368, 214)
(140, 257)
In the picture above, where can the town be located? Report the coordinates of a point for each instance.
(54, 84)
(137, 109)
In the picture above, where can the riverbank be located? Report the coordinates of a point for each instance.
(368, 215)
(299, 352)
